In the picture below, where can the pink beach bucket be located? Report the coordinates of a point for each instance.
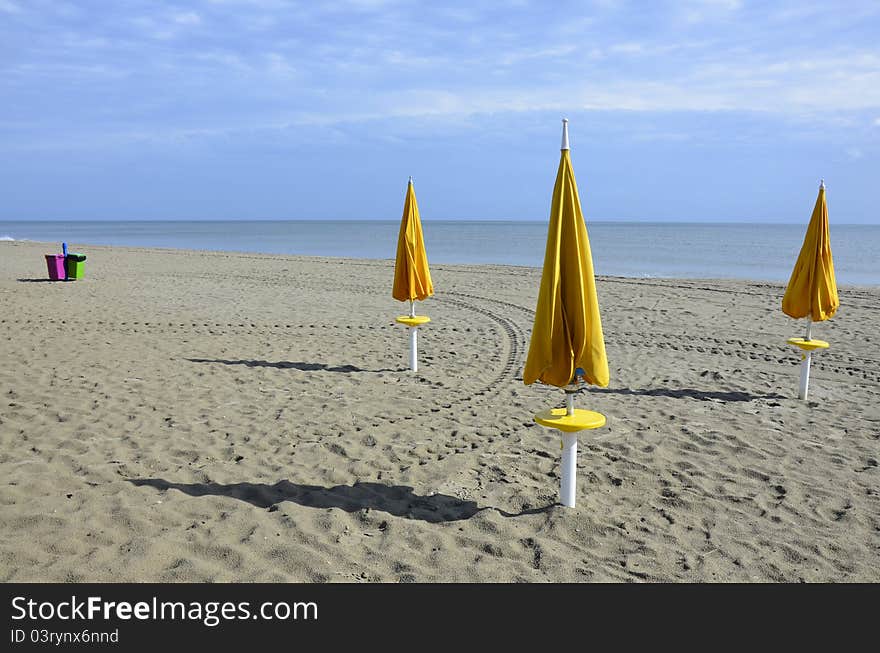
(55, 263)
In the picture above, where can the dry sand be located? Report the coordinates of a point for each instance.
(187, 416)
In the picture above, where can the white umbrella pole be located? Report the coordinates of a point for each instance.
(805, 365)
(569, 469)
(413, 349)
(413, 341)
(569, 459)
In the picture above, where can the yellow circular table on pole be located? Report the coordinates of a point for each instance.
(580, 420)
(413, 322)
(807, 345)
(569, 421)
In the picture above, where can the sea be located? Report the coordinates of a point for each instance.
(762, 252)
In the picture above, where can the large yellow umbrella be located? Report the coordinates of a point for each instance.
(812, 289)
(567, 345)
(412, 278)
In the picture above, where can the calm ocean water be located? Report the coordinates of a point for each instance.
(631, 249)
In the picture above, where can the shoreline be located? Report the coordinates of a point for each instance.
(185, 416)
(390, 262)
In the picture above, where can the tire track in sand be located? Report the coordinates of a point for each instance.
(514, 338)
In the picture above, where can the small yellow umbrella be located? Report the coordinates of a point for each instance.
(567, 344)
(812, 289)
(412, 278)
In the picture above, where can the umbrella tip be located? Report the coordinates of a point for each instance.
(821, 184)
(565, 134)
(410, 179)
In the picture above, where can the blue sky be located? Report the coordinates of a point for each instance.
(722, 110)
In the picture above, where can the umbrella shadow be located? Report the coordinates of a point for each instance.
(41, 280)
(288, 365)
(692, 393)
(398, 500)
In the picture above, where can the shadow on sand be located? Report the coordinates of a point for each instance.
(41, 280)
(703, 395)
(398, 500)
(288, 365)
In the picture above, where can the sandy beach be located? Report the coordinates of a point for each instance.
(201, 416)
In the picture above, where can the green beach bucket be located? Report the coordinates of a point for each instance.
(75, 265)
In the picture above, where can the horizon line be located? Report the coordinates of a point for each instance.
(603, 220)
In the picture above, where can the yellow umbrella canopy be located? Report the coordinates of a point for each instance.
(567, 332)
(412, 278)
(812, 289)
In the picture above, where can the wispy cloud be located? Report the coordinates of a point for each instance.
(369, 58)
(700, 11)
(854, 153)
(164, 25)
(186, 18)
(515, 57)
(626, 48)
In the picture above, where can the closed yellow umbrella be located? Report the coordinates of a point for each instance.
(412, 278)
(812, 289)
(567, 332)
(567, 344)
